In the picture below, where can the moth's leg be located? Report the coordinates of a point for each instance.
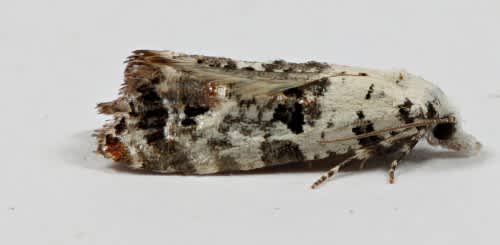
(394, 164)
(411, 136)
(362, 164)
(331, 172)
(361, 154)
(405, 150)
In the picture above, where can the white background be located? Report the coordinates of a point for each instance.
(59, 58)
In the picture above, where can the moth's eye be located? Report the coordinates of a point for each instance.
(444, 131)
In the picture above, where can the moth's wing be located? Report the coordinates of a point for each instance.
(245, 83)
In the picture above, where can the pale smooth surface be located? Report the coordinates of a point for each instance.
(59, 58)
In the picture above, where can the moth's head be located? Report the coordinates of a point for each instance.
(449, 132)
(450, 135)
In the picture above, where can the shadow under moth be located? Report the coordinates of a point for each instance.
(193, 114)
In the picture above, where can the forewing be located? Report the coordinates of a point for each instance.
(244, 82)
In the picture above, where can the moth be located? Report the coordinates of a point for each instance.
(194, 114)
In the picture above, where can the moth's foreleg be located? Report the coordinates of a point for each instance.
(392, 169)
(405, 150)
(407, 139)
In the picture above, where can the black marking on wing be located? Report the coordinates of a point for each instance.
(157, 135)
(367, 128)
(152, 114)
(121, 126)
(431, 111)
(191, 112)
(370, 91)
(360, 114)
(297, 92)
(291, 115)
(404, 111)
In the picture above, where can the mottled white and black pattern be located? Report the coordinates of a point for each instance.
(193, 114)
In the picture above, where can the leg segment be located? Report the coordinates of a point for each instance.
(404, 152)
(362, 154)
(331, 172)
(394, 164)
(362, 164)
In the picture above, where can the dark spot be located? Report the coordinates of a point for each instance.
(150, 110)
(280, 151)
(294, 67)
(444, 131)
(322, 135)
(248, 68)
(158, 135)
(259, 114)
(292, 116)
(155, 80)
(407, 103)
(188, 122)
(370, 91)
(297, 92)
(404, 111)
(231, 65)
(159, 112)
(111, 140)
(318, 87)
(121, 126)
(331, 154)
(211, 61)
(363, 74)
(363, 129)
(329, 124)
(275, 65)
(247, 103)
(315, 64)
(361, 115)
(192, 111)
(431, 111)
(148, 94)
